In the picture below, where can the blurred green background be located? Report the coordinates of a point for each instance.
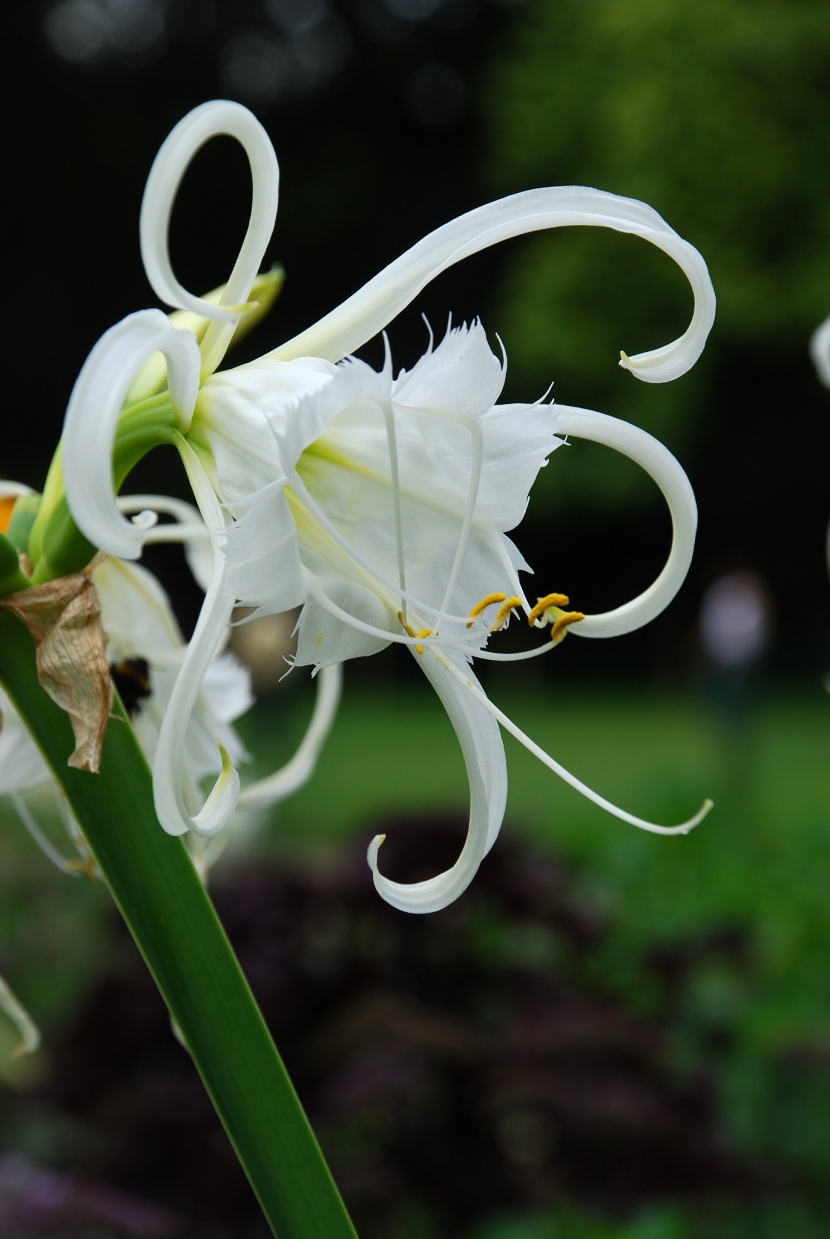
(389, 117)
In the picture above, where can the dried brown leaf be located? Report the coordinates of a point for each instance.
(64, 620)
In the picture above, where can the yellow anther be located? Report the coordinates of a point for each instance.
(480, 606)
(405, 626)
(562, 625)
(542, 604)
(505, 609)
(425, 632)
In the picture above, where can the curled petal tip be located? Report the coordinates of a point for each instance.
(685, 828)
(145, 520)
(92, 418)
(214, 814)
(199, 126)
(372, 852)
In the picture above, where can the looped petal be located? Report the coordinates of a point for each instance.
(659, 463)
(199, 126)
(481, 744)
(93, 412)
(376, 304)
(296, 772)
(175, 815)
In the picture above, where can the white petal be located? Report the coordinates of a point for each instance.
(518, 440)
(461, 378)
(227, 689)
(659, 463)
(483, 751)
(368, 311)
(225, 695)
(341, 620)
(296, 772)
(93, 412)
(22, 766)
(263, 568)
(820, 351)
(169, 765)
(135, 612)
(241, 414)
(199, 126)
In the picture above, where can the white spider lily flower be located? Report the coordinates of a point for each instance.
(380, 505)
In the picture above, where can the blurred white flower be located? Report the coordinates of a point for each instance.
(145, 650)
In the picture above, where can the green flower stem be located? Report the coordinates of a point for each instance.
(177, 931)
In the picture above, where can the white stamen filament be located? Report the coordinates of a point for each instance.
(565, 775)
(389, 421)
(46, 846)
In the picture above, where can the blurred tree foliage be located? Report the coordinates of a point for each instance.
(718, 115)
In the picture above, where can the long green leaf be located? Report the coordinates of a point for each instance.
(174, 924)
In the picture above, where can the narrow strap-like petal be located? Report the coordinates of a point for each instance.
(93, 412)
(659, 463)
(208, 636)
(481, 745)
(199, 126)
(296, 772)
(187, 527)
(376, 304)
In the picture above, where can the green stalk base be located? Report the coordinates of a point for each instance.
(169, 914)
